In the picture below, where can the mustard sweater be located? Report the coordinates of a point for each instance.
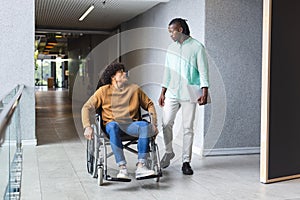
(118, 105)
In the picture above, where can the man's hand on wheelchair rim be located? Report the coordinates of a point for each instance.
(88, 133)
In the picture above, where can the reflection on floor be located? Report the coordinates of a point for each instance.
(56, 167)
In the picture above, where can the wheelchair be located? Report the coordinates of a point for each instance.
(97, 154)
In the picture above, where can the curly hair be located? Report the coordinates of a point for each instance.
(109, 72)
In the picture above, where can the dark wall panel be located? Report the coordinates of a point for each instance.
(284, 127)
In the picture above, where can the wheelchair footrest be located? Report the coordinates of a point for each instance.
(109, 178)
(148, 177)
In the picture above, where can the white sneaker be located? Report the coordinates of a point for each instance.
(123, 173)
(143, 171)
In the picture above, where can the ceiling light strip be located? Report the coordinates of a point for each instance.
(86, 12)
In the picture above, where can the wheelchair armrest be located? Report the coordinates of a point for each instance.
(146, 117)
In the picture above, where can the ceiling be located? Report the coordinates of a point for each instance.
(61, 17)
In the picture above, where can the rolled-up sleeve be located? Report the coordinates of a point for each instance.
(148, 105)
(89, 107)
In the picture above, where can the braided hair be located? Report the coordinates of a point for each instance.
(181, 22)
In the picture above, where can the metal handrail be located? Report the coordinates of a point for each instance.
(8, 111)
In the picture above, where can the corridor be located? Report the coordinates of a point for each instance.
(56, 168)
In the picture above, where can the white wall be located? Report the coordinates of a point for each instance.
(16, 58)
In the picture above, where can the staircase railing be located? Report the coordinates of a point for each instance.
(11, 144)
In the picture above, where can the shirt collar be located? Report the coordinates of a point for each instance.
(185, 41)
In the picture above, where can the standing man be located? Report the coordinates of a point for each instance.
(186, 64)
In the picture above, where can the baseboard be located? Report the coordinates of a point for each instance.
(231, 151)
(32, 142)
(29, 142)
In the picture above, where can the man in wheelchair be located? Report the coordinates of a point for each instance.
(120, 104)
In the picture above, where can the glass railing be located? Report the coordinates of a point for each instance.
(10, 145)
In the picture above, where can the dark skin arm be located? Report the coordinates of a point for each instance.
(203, 99)
(161, 100)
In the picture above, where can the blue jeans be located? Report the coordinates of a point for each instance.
(139, 129)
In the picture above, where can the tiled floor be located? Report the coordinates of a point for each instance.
(55, 169)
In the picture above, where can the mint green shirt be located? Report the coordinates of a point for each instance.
(185, 64)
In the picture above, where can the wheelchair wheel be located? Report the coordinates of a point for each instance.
(100, 176)
(95, 170)
(154, 161)
(158, 172)
(90, 157)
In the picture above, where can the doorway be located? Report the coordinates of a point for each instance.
(51, 72)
